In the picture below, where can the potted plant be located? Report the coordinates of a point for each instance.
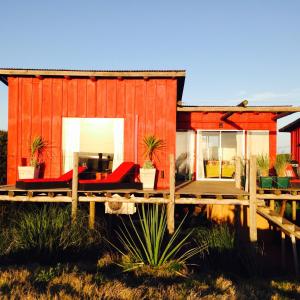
(281, 162)
(36, 150)
(148, 172)
(263, 165)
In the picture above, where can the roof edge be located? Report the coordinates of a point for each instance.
(290, 127)
(94, 73)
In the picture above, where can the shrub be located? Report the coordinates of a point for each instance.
(47, 232)
(147, 244)
(218, 237)
(3, 156)
(263, 164)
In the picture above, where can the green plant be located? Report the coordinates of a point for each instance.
(3, 156)
(148, 244)
(37, 148)
(218, 237)
(47, 232)
(263, 164)
(280, 164)
(152, 146)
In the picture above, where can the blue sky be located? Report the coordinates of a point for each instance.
(231, 50)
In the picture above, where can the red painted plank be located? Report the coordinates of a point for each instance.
(120, 101)
(37, 86)
(56, 144)
(12, 162)
(72, 98)
(111, 98)
(91, 98)
(81, 100)
(129, 135)
(47, 102)
(101, 99)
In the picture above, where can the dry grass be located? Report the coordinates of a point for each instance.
(64, 282)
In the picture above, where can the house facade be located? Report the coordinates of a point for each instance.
(108, 113)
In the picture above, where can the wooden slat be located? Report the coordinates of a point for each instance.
(275, 109)
(75, 186)
(252, 217)
(171, 204)
(175, 73)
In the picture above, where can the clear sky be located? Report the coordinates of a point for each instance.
(231, 50)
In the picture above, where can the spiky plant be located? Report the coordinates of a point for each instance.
(152, 145)
(37, 148)
(263, 164)
(148, 243)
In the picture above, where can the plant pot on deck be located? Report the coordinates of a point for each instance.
(266, 182)
(28, 172)
(282, 182)
(147, 177)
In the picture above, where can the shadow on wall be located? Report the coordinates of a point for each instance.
(3, 156)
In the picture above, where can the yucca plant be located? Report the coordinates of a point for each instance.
(148, 244)
(37, 148)
(263, 164)
(152, 145)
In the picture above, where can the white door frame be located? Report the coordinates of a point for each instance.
(220, 145)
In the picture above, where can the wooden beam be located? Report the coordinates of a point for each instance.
(230, 113)
(79, 73)
(278, 197)
(294, 210)
(274, 109)
(238, 172)
(92, 215)
(75, 186)
(252, 217)
(171, 204)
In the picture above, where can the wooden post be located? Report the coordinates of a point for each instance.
(75, 186)
(92, 215)
(171, 204)
(294, 210)
(247, 176)
(252, 200)
(238, 171)
(295, 255)
(272, 204)
(283, 259)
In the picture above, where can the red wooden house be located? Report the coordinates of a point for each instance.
(294, 129)
(110, 112)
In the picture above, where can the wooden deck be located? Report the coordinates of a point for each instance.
(225, 188)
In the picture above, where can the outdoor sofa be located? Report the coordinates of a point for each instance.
(64, 181)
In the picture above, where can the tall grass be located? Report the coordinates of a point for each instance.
(47, 232)
(263, 164)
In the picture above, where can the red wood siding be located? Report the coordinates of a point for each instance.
(37, 106)
(238, 121)
(295, 144)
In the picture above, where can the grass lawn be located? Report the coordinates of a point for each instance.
(83, 281)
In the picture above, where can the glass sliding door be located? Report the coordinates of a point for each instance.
(216, 152)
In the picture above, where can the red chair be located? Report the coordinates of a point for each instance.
(122, 178)
(64, 181)
(289, 172)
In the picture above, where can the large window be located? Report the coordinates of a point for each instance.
(93, 138)
(216, 153)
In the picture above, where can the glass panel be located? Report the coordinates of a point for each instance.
(228, 153)
(211, 156)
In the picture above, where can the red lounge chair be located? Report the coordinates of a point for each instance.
(64, 181)
(121, 178)
(290, 173)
